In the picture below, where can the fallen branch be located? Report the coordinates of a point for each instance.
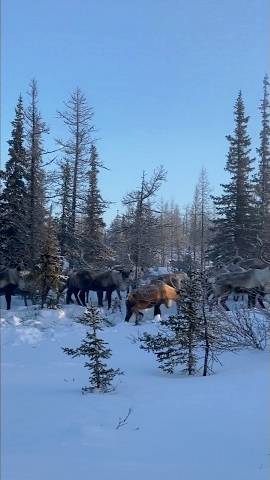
(123, 421)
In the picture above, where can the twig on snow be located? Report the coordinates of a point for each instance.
(123, 421)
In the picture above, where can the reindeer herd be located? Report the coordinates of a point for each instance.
(239, 277)
(250, 277)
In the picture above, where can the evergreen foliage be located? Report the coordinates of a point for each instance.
(78, 118)
(141, 222)
(47, 270)
(13, 197)
(235, 225)
(199, 228)
(116, 239)
(93, 227)
(96, 352)
(64, 192)
(178, 339)
(193, 334)
(36, 209)
(264, 168)
(147, 234)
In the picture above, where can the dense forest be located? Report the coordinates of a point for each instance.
(52, 209)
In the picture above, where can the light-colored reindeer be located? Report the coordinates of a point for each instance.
(255, 281)
(251, 281)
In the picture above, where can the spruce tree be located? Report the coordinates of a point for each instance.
(264, 168)
(36, 175)
(93, 226)
(180, 335)
(235, 224)
(13, 197)
(96, 352)
(47, 270)
(193, 334)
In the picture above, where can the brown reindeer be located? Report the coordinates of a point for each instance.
(148, 296)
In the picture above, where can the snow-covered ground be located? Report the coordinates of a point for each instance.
(190, 428)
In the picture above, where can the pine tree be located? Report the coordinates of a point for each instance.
(13, 198)
(264, 168)
(47, 270)
(235, 224)
(36, 175)
(93, 245)
(180, 335)
(96, 352)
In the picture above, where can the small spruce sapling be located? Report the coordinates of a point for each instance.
(180, 334)
(47, 271)
(96, 351)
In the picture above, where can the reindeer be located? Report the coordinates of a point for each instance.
(148, 296)
(174, 280)
(11, 281)
(108, 281)
(252, 281)
(231, 267)
(240, 265)
(77, 282)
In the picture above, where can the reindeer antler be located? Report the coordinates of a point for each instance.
(83, 259)
(261, 249)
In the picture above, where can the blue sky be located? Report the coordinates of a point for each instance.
(161, 75)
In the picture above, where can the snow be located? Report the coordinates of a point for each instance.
(179, 427)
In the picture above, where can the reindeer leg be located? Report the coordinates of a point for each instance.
(109, 296)
(260, 301)
(157, 310)
(119, 294)
(128, 311)
(223, 299)
(80, 297)
(139, 316)
(8, 298)
(251, 299)
(100, 298)
(68, 297)
(128, 316)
